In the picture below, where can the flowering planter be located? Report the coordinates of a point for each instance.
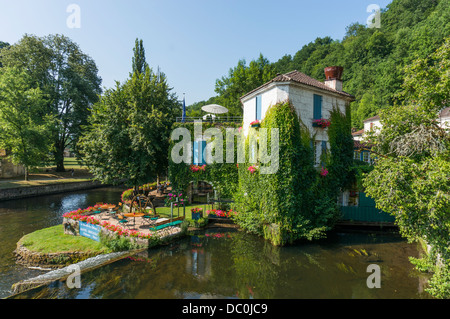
(196, 216)
(321, 123)
(255, 124)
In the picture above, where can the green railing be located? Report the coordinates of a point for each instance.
(365, 214)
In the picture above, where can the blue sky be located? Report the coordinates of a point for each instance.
(193, 42)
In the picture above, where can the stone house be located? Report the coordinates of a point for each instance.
(312, 99)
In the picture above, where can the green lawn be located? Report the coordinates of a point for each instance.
(53, 240)
(46, 176)
(71, 162)
(165, 211)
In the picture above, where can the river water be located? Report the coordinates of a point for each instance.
(218, 262)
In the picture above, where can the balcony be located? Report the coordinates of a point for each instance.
(218, 119)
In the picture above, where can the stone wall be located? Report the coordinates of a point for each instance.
(24, 192)
(29, 258)
(9, 170)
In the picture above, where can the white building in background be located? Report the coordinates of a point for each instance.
(444, 118)
(312, 99)
(374, 124)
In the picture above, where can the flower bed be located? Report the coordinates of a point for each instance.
(217, 213)
(82, 215)
(175, 198)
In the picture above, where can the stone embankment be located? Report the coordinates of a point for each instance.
(32, 191)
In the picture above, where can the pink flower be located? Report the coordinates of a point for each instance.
(252, 169)
(324, 172)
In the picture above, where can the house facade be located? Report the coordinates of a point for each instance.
(312, 99)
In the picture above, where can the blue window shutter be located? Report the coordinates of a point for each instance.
(317, 107)
(195, 152)
(258, 108)
(199, 148)
(202, 154)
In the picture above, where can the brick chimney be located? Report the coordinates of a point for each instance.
(333, 77)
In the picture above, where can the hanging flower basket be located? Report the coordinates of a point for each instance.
(322, 123)
(255, 124)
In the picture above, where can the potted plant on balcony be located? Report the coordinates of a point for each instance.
(322, 123)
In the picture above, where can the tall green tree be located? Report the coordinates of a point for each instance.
(24, 126)
(412, 177)
(2, 45)
(67, 76)
(129, 128)
(139, 64)
(242, 79)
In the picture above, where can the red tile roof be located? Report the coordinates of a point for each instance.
(299, 77)
(361, 132)
(375, 118)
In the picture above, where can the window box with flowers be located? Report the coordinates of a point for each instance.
(322, 123)
(255, 124)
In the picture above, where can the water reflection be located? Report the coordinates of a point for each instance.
(217, 263)
(232, 264)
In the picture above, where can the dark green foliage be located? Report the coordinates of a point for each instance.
(241, 80)
(411, 180)
(139, 64)
(68, 77)
(128, 135)
(2, 45)
(295, 202)
(341, 152)
(373, 59)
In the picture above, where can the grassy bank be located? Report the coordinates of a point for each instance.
(53, 240)
(48, 176)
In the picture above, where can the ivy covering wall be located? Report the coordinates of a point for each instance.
(296, 201)
(222, 176)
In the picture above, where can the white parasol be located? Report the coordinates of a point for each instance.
(215, 109)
